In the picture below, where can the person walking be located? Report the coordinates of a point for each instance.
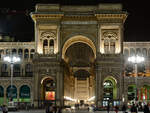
(47, 109)
(133, 109)
(108, 108)
(146, 109)
(59, 110)
(51, 109)
(124, 108)
(4, 109)
(116, 109)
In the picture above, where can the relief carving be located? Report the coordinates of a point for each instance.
(110, 35)
(48, 35)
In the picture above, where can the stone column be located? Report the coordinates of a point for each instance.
(98, 97)
(36, 88)
(125, 93)
(31, 94)
(60, 88)
(18, 89)
(5, 96)
(75, 88)
(88, 88)
(23, 69)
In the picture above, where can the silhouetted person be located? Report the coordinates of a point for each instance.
(108, 108)
(133, 109)
(116, 109)
(59, 110)
(124, 108)
(146, 109)
(88, 108)
(47, 109)
(4, 109)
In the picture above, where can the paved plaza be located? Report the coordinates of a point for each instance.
(77, 111)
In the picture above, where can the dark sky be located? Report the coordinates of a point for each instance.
(20, 25)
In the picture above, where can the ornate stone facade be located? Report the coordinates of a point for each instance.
(79, 51)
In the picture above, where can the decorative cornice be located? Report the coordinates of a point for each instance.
(46, 16)
(104, 17)
(79, 18)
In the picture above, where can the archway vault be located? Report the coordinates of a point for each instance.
(114, 82)
(46, 77)
(111, 78)
(75, 39)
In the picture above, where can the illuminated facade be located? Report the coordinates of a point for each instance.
(78, 56)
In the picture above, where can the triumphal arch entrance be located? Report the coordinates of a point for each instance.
(78, 56)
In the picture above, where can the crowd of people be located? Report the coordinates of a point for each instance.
(134, 108)
(53, 109)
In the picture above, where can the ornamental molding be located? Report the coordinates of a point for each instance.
(102, 17)
(110, 35)
(48, 35)
(46, 16)
(79, 18)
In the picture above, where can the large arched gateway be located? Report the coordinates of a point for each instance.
(79, 57)
(78, 46)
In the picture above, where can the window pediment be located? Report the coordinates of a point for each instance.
(48, 35)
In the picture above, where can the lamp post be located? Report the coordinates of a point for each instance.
(11, 60)
(135, 60)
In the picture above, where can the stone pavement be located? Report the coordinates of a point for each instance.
(77, 111)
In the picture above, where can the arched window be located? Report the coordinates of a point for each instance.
(26, 53)
(106, 46)
(20, 53)
(110, 38)
(112, 46)
(132, 52)
(144, 52)
(126, 53)
(4, 70)
(51, 44)
(31, 53)
(138, 52)
(45, 46)
(131, 92)
(16, 70)
(7, 52)
(108, 90)
(28, 70)
(11, 92)
(14, 51)
(24, 93)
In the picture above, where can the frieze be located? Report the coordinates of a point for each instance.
(79, 22)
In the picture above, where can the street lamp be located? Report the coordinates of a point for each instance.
(135, 60)
(11, 60)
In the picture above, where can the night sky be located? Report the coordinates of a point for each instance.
(16, 21)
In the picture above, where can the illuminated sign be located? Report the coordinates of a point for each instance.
(49, 95)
